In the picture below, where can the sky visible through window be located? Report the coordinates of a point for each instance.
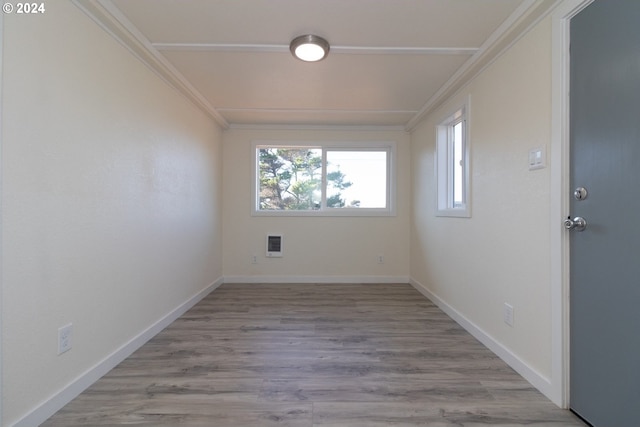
(367, 173)
(457, 165)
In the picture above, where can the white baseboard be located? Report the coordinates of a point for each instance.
(71, 391)
(316, 279)
(539, 381)
(52, 405)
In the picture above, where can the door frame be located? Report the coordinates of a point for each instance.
(1, 197)
(560, 197)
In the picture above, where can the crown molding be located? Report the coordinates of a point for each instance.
(340, 128)
(529, 13)
(274, 48)
(109, 18)
(314, 111)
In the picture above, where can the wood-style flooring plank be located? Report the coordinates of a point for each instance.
(313, 355)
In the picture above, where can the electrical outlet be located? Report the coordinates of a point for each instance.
(65, 335)
(380, 259)
(507, 314)
(254, 259)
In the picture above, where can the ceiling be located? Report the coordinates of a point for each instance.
(391, 61)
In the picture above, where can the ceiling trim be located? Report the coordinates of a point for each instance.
(509, 32)
(221, 47)
(404, 50)
(314, 111)
(271, 48)
(352, 128)
(319, 112)
(109, 18)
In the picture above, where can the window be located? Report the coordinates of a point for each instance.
(452, 148)
(323, 179)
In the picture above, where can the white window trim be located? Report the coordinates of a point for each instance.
(388, 146)
(444, 175)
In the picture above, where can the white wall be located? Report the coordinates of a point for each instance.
(111, 197)
(501, 254)
(315, 248)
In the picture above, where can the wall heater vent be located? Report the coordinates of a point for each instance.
(274, 245)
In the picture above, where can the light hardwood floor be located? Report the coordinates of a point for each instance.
(313, 355)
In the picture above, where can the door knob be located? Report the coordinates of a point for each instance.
(578, 223)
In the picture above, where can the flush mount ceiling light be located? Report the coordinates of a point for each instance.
(309, 48)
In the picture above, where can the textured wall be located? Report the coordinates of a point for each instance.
(344, 247)
(111, 195)
(501, 253)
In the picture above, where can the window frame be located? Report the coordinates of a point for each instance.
(446, 206)
(366, 146)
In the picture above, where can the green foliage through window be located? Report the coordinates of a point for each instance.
(290, 178)
(294, 178)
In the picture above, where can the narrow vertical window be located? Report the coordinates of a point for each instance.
(452, 155)
(457, 146)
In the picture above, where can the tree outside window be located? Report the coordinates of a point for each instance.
(339, 180)
(291, 179)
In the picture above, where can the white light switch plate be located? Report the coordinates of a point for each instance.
(537, 158)
(507, 314)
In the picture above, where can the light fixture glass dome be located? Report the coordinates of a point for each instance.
(309, 48)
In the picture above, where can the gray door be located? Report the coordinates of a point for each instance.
(605, 257)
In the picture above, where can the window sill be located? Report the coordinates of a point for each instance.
(327, 213)
(453, 213)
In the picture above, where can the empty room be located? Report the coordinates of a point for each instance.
(319, 213)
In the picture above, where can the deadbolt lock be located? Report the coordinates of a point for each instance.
(580, 193)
